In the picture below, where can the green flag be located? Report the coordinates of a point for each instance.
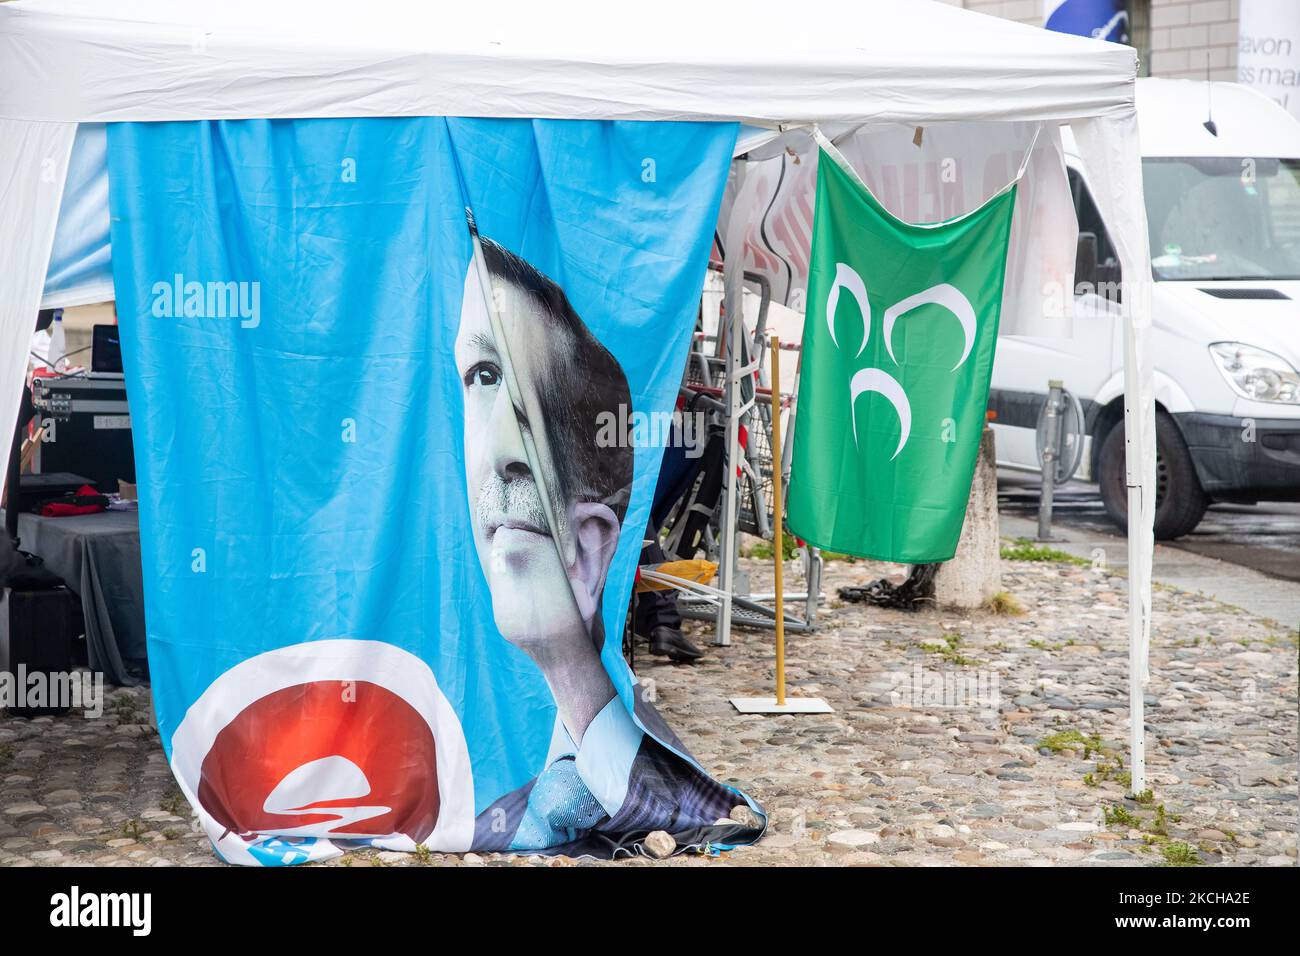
(899, 332)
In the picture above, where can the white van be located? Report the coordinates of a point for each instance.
(1224, 221)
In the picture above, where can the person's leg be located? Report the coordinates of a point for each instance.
(657, 618)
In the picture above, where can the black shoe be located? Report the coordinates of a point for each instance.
(672, 643)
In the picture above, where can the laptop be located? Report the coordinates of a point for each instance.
(106, 351)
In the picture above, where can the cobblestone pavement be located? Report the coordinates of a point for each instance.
(1023, 767)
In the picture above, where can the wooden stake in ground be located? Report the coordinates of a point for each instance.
(779, 704)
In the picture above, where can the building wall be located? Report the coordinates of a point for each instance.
(1176, 38)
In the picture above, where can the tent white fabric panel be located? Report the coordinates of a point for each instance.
(955, 169)
(80, 270)
(33, 167)
(884, 60)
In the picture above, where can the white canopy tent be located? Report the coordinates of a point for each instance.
(904, 63)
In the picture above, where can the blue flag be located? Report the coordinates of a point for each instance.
(391, 503)
(1099, 19)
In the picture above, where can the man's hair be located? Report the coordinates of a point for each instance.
(579, 384)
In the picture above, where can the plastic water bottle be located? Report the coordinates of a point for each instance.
(56, 357)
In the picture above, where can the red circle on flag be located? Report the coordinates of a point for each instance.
(329, 758)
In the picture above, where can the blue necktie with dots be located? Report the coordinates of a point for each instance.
(559, 807)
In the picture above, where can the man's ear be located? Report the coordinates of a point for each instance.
(595, 537)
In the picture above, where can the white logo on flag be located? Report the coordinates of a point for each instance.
(847, 278)
(875, 379)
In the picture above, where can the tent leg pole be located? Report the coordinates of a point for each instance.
(1139, 450)
(1136, 703)
(728, 552)
(733, 299)
(778, 548)
(1108, 146)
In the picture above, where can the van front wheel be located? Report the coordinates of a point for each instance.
(1180, 502)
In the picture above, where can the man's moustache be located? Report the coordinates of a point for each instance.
(515, 502)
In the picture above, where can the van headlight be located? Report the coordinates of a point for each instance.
(1257, 375)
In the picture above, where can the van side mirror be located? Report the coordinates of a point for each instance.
(1085, 263)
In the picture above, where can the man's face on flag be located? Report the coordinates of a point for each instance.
(531, 595)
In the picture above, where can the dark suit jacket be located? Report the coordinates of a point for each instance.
(665, 792)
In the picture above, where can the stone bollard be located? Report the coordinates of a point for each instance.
(975, 573)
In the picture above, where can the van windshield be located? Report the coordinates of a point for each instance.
(1223, 218)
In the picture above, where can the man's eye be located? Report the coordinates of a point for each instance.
(484, 374)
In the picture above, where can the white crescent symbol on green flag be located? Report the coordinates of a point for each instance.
(874, 380)
(846, 277)
(943, 294)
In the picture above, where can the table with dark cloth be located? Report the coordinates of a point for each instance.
(98, 557)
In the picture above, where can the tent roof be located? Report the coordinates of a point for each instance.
(766, 62)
